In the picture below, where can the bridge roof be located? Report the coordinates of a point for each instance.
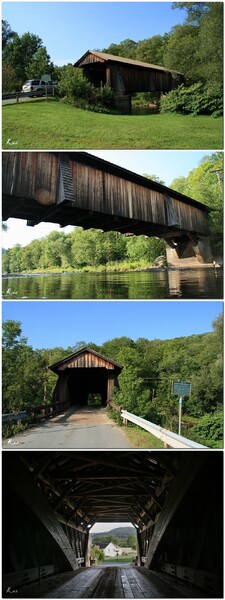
(107, 486)
(112, 58)
(85, 358)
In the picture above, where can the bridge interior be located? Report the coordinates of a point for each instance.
(52, 499)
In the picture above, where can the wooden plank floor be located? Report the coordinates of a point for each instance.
(109, 582)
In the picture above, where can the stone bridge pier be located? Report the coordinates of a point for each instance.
(188, 251)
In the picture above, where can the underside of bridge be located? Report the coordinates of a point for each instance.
(77, 188)
(85, 377)
(174, 499)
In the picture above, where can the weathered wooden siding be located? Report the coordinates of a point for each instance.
(105, 193)
(142, 80)
(127, 75)
(30, 175)
(86, 361)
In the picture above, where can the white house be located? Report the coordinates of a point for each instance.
(114, 550)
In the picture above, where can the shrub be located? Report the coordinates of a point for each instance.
(209, 430)
(77, 90)
(198, 99)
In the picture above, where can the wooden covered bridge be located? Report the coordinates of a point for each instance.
(126, 76)
(85, 377)
(51, 500)
(77, 188)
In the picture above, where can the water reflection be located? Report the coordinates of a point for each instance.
(189, 284)
(145, 110)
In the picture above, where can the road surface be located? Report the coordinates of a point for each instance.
(109, 582)
(84, 428)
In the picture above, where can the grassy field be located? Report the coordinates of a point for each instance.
(53, 125)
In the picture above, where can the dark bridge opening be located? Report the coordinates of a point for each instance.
(82, 388)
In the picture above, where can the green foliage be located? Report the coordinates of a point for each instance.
(77, 90)
(7, 34)
(24, 371)
(209, 430)
(80, 249)
(205, 184)
(96, 553)
(198, 99)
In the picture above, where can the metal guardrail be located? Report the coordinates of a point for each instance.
(12, 417)
(35, 413)
(172, 440)
(20, 95)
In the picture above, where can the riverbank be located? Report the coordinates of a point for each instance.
(111, 269)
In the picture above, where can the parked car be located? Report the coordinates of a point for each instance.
(38, 87)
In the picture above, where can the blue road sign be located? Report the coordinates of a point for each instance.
(181, 388)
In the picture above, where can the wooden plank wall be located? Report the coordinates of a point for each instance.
(103, 192)
(85, 361)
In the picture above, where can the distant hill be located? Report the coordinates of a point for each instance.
(120, 532)
(3, 250)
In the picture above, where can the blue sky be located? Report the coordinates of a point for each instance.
(54, 323)
(166, 164)
(69, 29)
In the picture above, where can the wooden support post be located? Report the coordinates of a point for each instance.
(187, 472)
(20, 480)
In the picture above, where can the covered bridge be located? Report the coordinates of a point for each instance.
(51, 500)
(77, 188)
(85, 376)
(126, 76)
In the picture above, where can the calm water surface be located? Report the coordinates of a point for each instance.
(190, 284)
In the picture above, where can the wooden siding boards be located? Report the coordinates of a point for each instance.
(84, 359)
(105, 193)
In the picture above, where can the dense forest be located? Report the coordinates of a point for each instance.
(145, 384)
(93, 248)
(194, 48)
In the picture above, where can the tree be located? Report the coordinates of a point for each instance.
(72, 84)
(23, 370)
(205, 184)
(96, 553)
(151, 50)
(20, 53)
(7, 34)
(126, 48)
(180, 51)
(40, 64)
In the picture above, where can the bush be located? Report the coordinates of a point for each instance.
(209, 430)
(198, 99)
(77, 90)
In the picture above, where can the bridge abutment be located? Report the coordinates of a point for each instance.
(123, 103)
(189, 252)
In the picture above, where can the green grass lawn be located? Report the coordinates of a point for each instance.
(53, 125)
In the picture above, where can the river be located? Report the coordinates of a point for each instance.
(156, 284)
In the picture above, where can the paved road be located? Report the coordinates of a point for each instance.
(86, 428)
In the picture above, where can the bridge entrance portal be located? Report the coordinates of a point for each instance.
(85, 378)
